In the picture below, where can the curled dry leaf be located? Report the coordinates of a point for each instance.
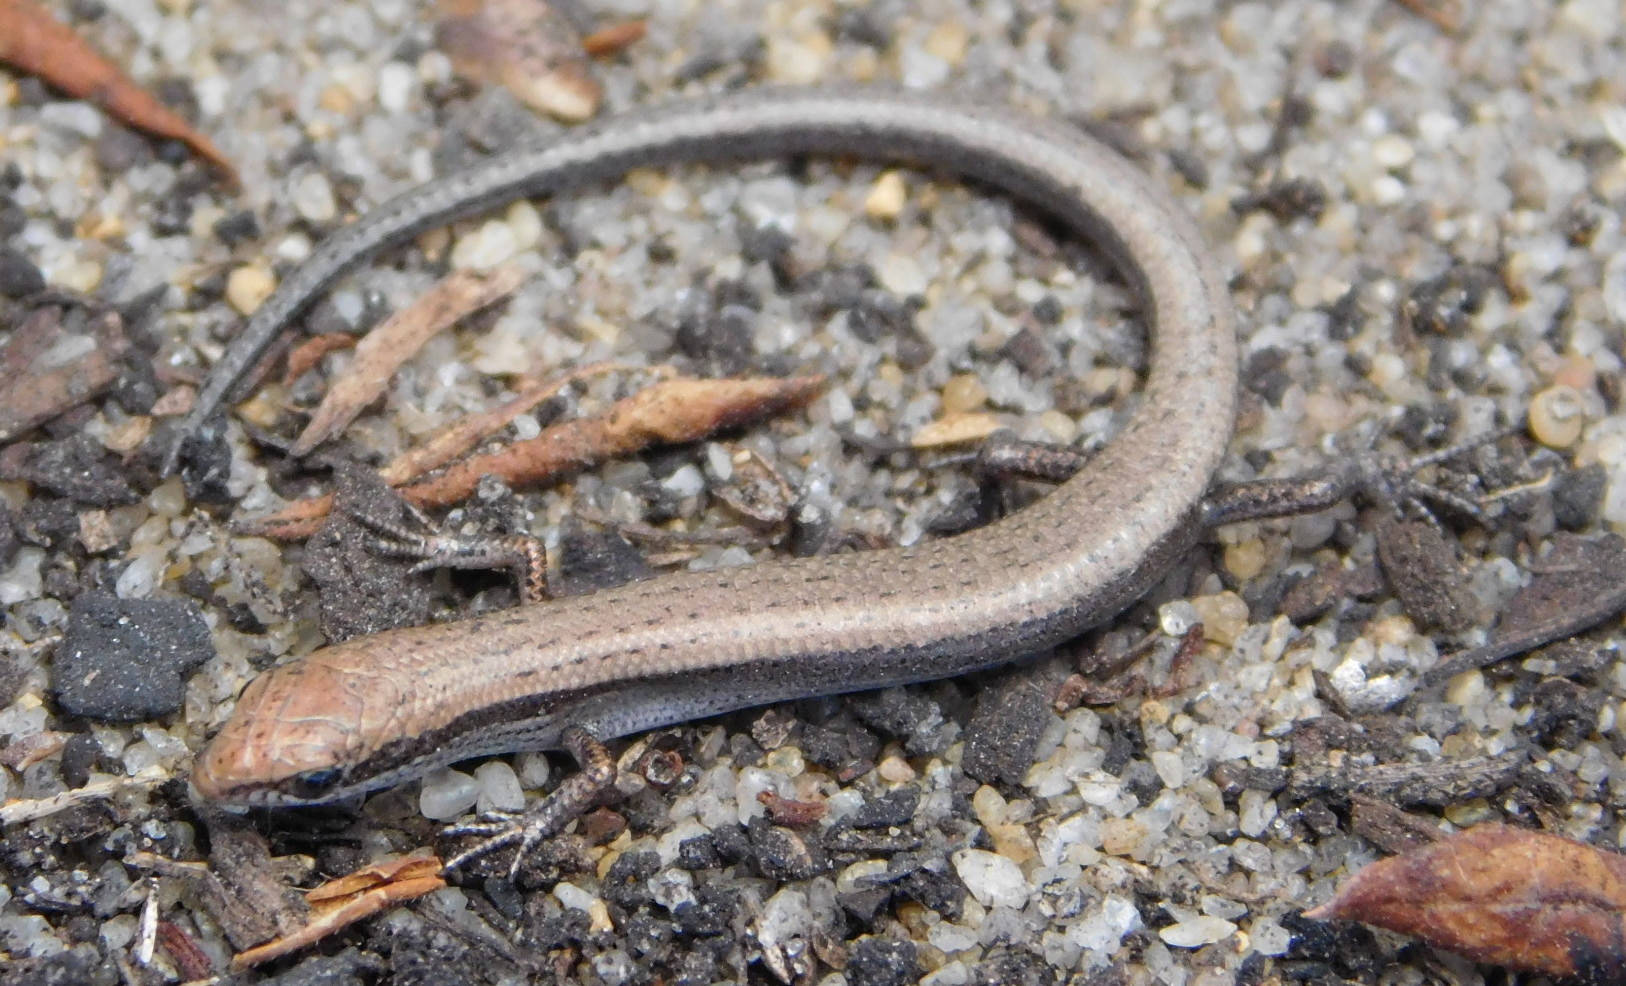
(527, 47)
(37, 43)
(1506, 896)
(344, 901)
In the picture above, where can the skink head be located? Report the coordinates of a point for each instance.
(296, 734)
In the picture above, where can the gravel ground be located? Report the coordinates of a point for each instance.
(1425, 234)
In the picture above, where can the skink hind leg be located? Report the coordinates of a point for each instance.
(573, 796)
(522, 555)
(1388, 481)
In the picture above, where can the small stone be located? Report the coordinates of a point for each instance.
(499, 787)
(948, 40)
(1392, 151)
(396, 82)
(313, 198)
(482, 250)
(1557, 415)
(994, 880)
(18, 276)
(1245, 559)
(798, 61)
(876, 961)
(900, 274)
(1224, 616)
(447, 794)
(1120, 836)
(886, 197)
(1170, 769)
(963, 394)
(1197, 932)
(895, 770)
(247, 287)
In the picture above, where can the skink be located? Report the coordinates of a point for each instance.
(381, 709)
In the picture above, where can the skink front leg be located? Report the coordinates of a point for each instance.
(498, 830)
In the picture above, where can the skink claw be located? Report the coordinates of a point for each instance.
(498, 830)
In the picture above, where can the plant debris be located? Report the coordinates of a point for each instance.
(37, 43)
(46, 369)
(668, 412)
(527, 46)
(1497, 894)
(342, 902)
(1579, 584)
(395, 340)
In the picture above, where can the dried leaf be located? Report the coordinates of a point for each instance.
(670, 412)
(340, 903)
(45, 371)
(301, 519)
(395, 340)
(1506, 896)
(525, 46)
(35, 42)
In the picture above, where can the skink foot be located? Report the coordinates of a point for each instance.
(573, 796)
(1385, 480)
(525, 556)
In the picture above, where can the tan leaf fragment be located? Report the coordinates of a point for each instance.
(342, 902)
(1496, 894)
(394, 341)
(37, 43)
(526, 46)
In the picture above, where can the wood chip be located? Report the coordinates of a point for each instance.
(1497, 894)
(35, 42)
(396, 340)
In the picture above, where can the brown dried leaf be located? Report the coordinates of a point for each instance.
(395, 340)
(1496, 894)
(340, 903)
(525, 46)
(301, 519)
(35, 42)
(670, 412)
(44, 371)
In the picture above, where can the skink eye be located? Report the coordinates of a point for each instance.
(316, 783)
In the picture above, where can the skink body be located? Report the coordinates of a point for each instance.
(381, 709)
